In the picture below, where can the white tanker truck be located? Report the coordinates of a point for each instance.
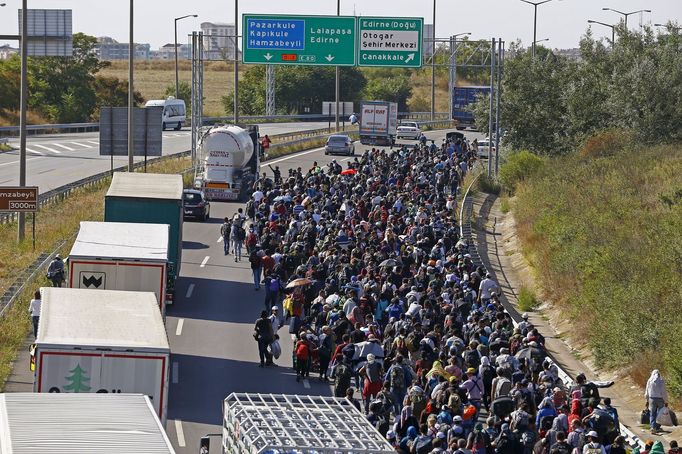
(230, 157)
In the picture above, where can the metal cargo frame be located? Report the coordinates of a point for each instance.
(277, 423)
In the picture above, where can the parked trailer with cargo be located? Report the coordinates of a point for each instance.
(121, 256)
(102, 341)
(80, 423)
(378, 122)
(462, 99)
(150, 198)
(230, 157)
(277, 423)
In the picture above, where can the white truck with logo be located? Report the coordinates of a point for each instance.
(102, 341)
(378, 123)
(230, 157)
(120, 256)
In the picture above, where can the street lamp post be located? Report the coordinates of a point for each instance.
(541, 40)
(612, 27)
(236, 62)
(131, 96)
(627, 14)
(433, 65)
(337, 82)
(671, 27)
(535, 20)
(177, 91)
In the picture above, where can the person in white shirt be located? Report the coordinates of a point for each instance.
(34, 309)
(593, 445)
(258, 196)
(487, 285)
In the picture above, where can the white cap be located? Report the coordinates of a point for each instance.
(274, 308)
(592, 434)
(525, 316)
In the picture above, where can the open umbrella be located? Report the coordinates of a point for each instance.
(388, 263)
(349, 172)
(299, 282)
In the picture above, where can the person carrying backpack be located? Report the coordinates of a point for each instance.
(256, 267)
(593, 446)
(225, 230)
(398, 379)
(561, 446)
(479, 440)
(251, 240)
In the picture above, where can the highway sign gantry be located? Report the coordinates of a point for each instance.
(299, 40)
(390, 41)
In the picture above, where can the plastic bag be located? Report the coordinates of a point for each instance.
(663, 418)
(276, 349)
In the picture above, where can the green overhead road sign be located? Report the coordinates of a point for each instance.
(390, 41)
(299, 40)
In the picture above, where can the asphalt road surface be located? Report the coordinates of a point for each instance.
(55, 160)
(210, 326)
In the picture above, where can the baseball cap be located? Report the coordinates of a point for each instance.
(274, 308)
(592, 434)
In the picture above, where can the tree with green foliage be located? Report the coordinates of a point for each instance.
(184, 92)
(388, 84)
(297, 88)
(112, 92)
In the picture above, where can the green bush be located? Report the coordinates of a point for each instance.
(489, 185)
(518, 167)
(527, 299)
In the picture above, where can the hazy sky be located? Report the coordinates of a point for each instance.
(562, 21)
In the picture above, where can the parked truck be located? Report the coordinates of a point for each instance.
(230, 157)
(102, 341)
(80, 423)
(131, 257)
(378, 122)
(150, 198)
(462, 98)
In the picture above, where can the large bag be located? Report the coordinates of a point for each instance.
(644, 417)
(276, 349)
(673, 417)
(502, 406)
(663, 418)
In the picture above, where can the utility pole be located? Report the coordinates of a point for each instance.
(337, 86)
(23, 103)
(177, 92)
(535, 20)
(236, 62)
(131, 98)
(491, 118)
(500, 61)
(433, 65)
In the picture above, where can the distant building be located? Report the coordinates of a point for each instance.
(6, 51)
(108, 48)
(571, 54)
(427, 40)
(167, 52)
(219, 40)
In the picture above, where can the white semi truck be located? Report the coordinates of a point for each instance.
(102, 341)
(230, 160)
(378, 122)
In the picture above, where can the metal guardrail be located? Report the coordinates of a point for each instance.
(466, 212)
(94, 126)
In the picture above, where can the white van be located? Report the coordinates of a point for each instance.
(173, 111)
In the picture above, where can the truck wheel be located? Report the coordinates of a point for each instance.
(163, 126)
(179, 126)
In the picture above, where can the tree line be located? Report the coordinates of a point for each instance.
(552, 104)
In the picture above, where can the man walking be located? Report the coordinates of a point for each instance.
(225, 231)
(34, 309)
(55, 272)
(264, 336)
(656, 398)
(256, 266)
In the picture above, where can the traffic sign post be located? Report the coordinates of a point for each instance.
(394, 42)
(19, 199)
(299, 40)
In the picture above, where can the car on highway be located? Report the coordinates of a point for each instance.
(173, 114)
(408, 130)
(339, 144)
(485, 149)
(195, 205)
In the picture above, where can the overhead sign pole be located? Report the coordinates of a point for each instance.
(337, 88)
(131, 94)
(23, 103)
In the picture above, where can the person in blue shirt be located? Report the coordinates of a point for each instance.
(546, 408)
(394, 309)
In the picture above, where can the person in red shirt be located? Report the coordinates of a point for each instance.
(303, 351)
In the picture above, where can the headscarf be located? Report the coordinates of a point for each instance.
(437, 369)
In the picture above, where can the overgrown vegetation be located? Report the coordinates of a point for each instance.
(527, 300)
(603, 229)
(552, 103)
(518, 167)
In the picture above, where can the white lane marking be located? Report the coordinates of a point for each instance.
(47, 148)
(15, 162)
(80, 144)
(178, 329)
(34, 152)
(190, 289)
(347, 159)
(175, 371)
(203, 262)
(293, 156)
(63, 146)
(220, 238)
(181, 434)
(94, 142)
(306, 383)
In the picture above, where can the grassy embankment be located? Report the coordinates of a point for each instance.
(603, 230)
(54, 223)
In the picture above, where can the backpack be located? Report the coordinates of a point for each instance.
(302, 351)
(411, 342)
(397, 377)
(418, 404)
(561, 448)
(422, 445)
(546, 423)
(488, 375)
(241, 233)
(481, 442)
(343, 374)
(273, 285)
(254, 259)
(252, 239)
(401, 346)
(502, 406)
(471, 359)
(225, 230)
(590, 448)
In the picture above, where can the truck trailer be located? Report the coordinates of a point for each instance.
(230, 157)
(462, 98)
(378, 122)
(121, 256)
(102, 341)
(80, 423)
(150, 198)
(297, 424)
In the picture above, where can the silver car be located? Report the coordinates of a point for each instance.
(339, 144)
